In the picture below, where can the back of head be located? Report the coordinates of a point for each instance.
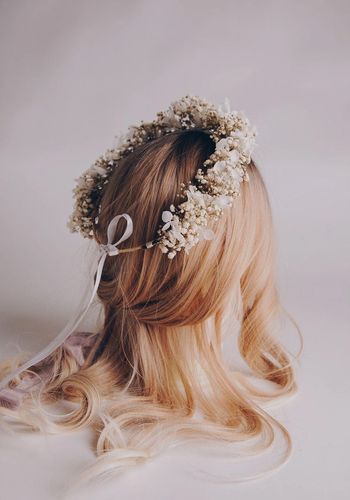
(154, 305)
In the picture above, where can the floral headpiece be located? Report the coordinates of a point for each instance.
(215, 185)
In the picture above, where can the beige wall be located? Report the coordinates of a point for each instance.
(76, 73)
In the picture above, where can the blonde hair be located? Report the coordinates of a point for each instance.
(158, 360)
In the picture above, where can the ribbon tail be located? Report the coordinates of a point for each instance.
(63, 334)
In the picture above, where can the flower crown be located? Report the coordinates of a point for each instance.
(216, 183)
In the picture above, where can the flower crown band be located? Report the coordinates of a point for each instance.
(216, 183)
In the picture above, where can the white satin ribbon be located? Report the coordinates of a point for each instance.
(109, 249)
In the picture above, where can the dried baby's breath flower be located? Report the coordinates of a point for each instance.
(217, 181)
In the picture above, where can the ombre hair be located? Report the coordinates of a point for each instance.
(156, 372)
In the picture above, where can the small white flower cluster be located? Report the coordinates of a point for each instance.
(216, 183)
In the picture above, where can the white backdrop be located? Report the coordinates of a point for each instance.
(75, 74)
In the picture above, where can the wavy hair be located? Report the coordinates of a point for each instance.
(156, 373)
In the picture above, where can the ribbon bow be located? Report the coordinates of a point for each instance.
(111, 248)
(106, 249)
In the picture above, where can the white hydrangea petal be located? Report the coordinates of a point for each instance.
(166, 216)
(166, 226)
(219, 166)
(223, 201)
(236, 174)
(222, 144)
(234, 155)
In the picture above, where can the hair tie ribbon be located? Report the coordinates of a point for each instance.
(105, 249)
